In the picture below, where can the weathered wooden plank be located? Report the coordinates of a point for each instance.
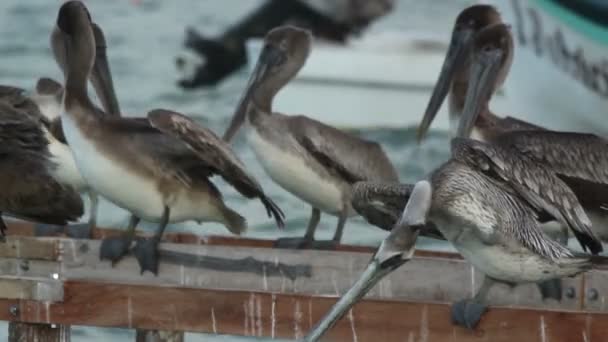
(23, 247)
(47, 290)
(281, 271)
(28, 332)
(290, 316)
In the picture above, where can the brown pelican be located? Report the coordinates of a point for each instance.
(480, 67)
(488, 202)
(454, 76)
(45, 105)
(315, 162)
(580, 160)
(28, 179)
(141, 168)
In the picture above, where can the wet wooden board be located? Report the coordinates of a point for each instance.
(251, 313)
(306, 272)
(19, 247)
(204, 287)
(26, 288)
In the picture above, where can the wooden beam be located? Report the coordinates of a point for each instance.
(27, 229)
(280, 271)
(28, 248)
(271, 315)
(40, 289)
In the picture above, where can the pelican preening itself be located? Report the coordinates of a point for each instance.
(315, 162)
(489, 204)
(44, 106)
(157, 168)
(580, 160)
(490, 199)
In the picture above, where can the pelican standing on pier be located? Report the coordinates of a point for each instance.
(138, 163)
(488, 202)
(315, 162)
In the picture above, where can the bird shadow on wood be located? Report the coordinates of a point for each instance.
(244, 265)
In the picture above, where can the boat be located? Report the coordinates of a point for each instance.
(559, 77)
(275, 293)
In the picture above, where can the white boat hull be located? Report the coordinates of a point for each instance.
(544, 85)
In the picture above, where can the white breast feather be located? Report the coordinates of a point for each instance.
(296, 176)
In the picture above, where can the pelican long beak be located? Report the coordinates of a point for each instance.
(269, 57)
(482, 81)
(394, 251)
(454, 60)
(101, 76)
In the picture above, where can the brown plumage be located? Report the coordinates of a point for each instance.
(29, 190)
(219, 157)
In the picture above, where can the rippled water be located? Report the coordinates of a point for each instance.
(143, 38)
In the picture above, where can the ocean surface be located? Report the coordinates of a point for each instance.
(144, 36)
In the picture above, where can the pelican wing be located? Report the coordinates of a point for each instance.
(352, 158)
(538, 185)
(215, 153)
(579, 159)
(17, 98)
(577, 155)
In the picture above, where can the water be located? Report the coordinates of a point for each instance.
(143, 38)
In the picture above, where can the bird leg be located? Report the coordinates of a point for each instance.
(335, 241)
(85, 230)
(468, 312)
(146, 250)
(114, 248)
(309, 237)
(551, 289)
(3, 229)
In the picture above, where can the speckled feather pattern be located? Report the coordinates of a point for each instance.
(539, 186)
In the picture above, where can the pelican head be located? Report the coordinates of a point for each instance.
(394, 251)
(79, 47)
(492, 54)
(285, 51)
(468, 23)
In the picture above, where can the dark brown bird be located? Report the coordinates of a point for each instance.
(29, 187)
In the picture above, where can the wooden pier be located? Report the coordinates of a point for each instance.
(245, 287)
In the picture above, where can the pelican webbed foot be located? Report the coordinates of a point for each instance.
(467, 313)
(116, 247)
(146, 249)
(146, 253)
